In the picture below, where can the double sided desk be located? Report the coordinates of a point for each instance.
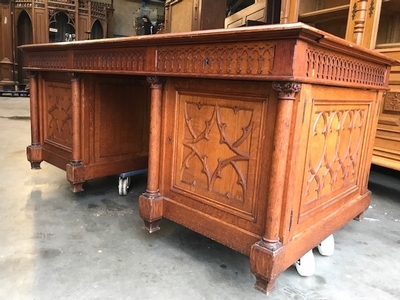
(259, 138)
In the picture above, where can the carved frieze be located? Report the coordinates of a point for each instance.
(232, 59)
(339, 68)
(46, 60)
(121, 60)
(391, 102)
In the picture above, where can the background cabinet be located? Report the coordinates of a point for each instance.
(35, 21)
(190, 15)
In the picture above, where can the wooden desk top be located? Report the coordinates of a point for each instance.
(285, 52)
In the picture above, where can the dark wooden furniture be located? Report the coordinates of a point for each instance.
(260, 137)
(40, 21)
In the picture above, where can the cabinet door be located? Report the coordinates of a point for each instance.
(190, 15)
(178, 15)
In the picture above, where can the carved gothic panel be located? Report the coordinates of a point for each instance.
(218, 140)
(392, 103)
(58, 118)
(233, 59)
(336, 136)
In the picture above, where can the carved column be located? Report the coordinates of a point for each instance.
(263, 256)
(359, 16)
(34, 151)
(75, 169)
(151, 202)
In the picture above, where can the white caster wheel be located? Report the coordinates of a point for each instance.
(305, 266)
(327, 246)
(123, 186)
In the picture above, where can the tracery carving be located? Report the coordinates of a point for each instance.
(123, 60)
(214, 151)
(328, 66)
(99, 10)
(59, 114)
(392, 102)
(234, 59)
(69, 12)
(335, 143)
(57, 60)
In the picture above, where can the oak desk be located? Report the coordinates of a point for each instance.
(260, 138)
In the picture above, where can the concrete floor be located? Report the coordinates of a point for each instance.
(58, 245)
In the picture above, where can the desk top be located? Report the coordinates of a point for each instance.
(284, 52)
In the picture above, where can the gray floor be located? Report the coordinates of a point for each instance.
(58, 245)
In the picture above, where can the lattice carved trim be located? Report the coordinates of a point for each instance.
(232, 59)
(123, 60)
(57, 60)
(328, 66)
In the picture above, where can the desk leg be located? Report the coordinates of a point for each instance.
(34, 150)
(151, 202)
(75, 168)
(266, 256)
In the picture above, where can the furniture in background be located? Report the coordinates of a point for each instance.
(39, 21)
(190, 15)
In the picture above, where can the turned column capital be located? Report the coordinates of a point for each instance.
(287, 90)
(75, 76)
(32, 74)
(156, 82)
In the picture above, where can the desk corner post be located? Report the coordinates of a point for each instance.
(75, 168)
(151, 202)
(34, 150)
(267, 255)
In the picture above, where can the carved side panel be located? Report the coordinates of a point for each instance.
(391, 104)
(58, 115)
(334, 149)
(217, 142)
(232, 59)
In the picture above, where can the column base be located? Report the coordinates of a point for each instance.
(266, 265)
(76, 176)
(151, 210)
(34, 156)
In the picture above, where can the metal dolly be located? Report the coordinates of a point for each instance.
(15, 93)
(125, 180)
